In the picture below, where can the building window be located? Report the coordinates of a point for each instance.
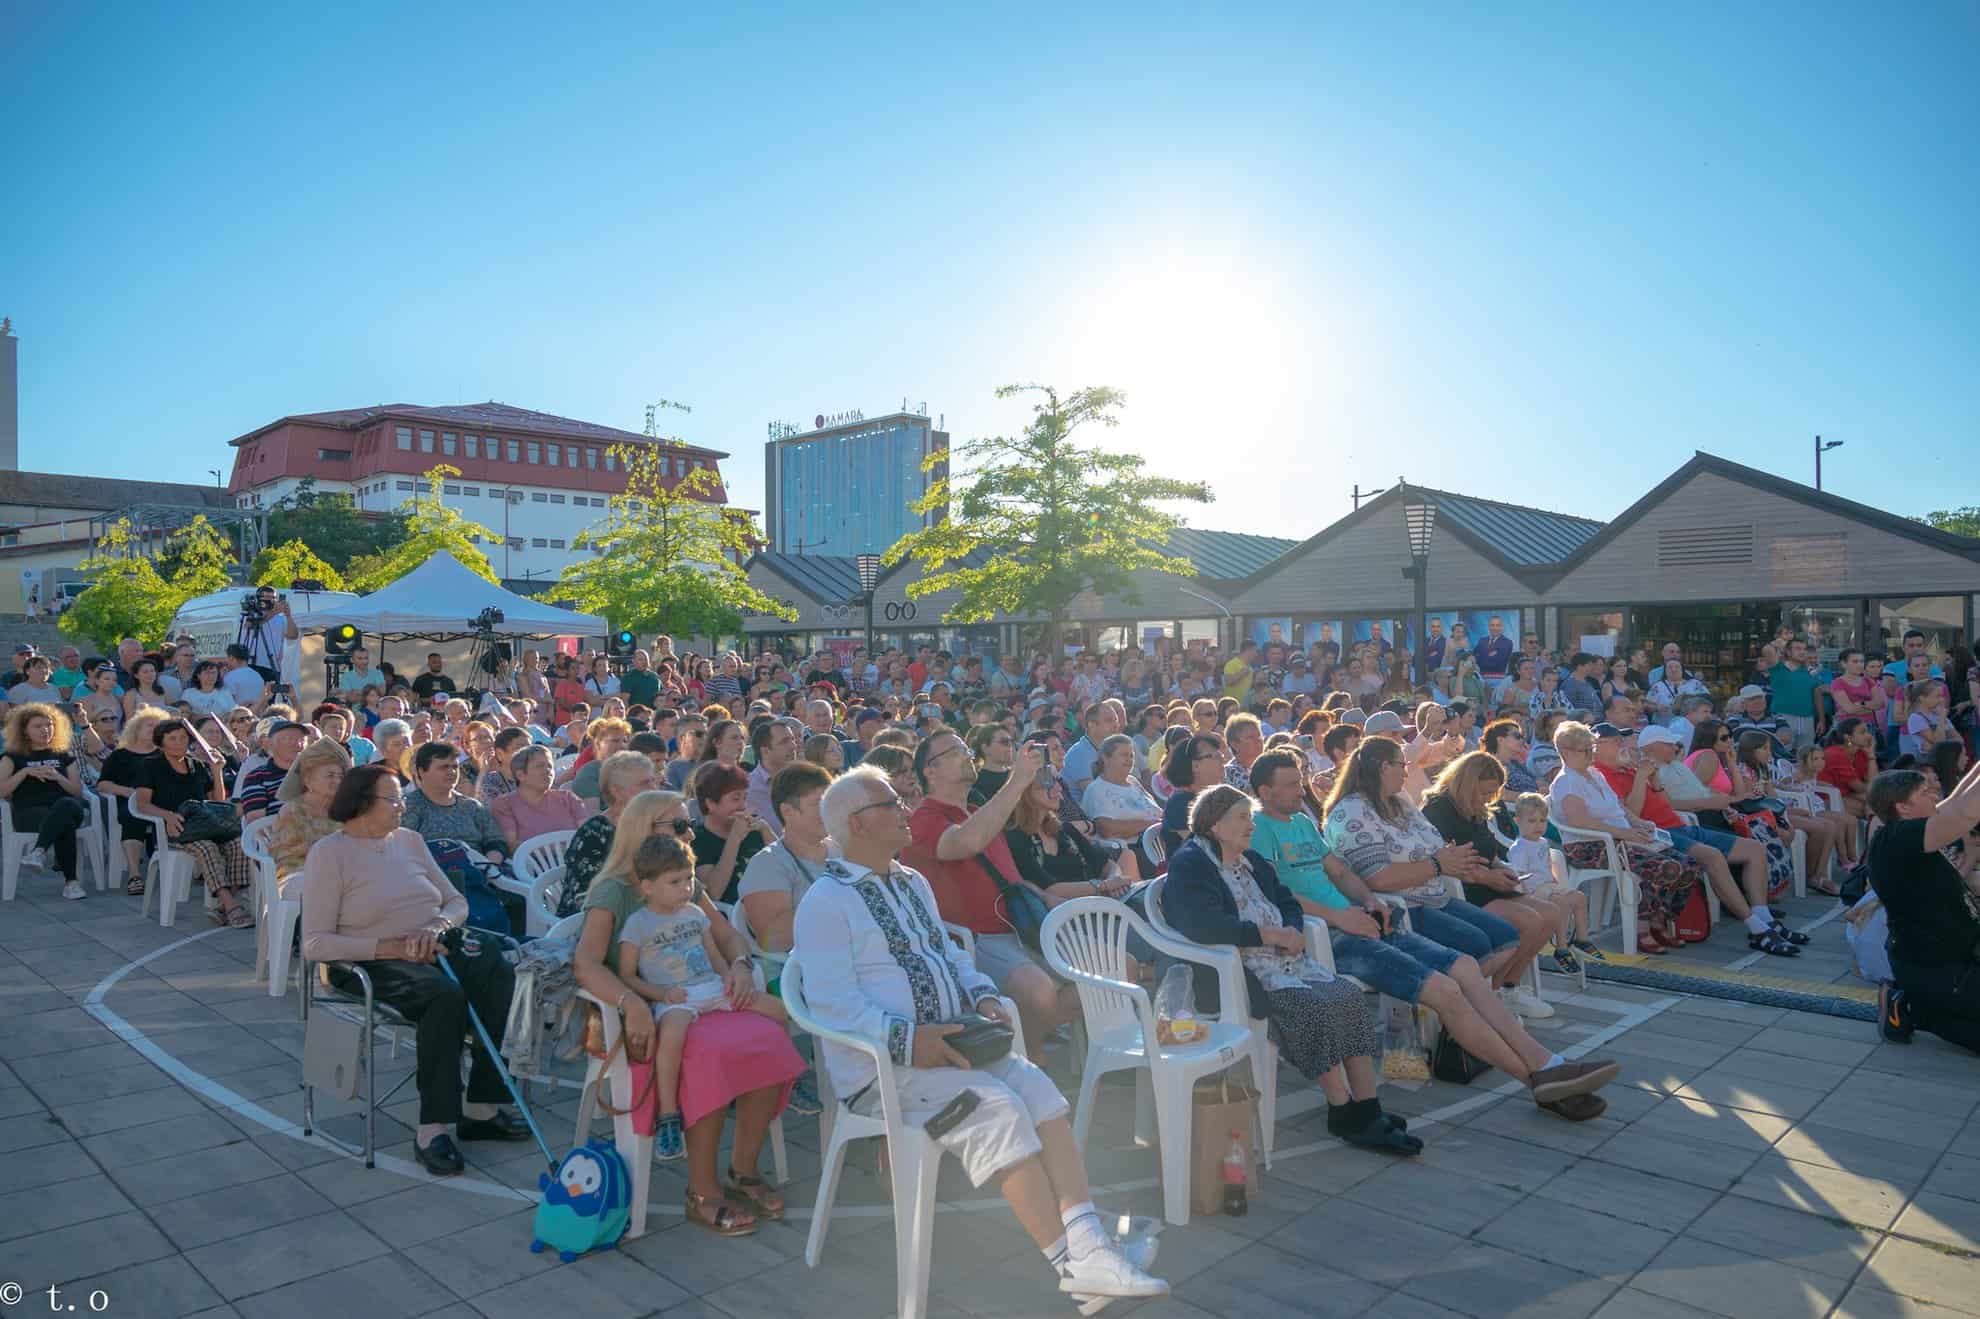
(447, 443)
(591, 459)
(473, 491)
(635, 505)
(404, 435)
(332, 455)
(426, 487)
(473, 446)
(556, 544)
(538, 543)
(574, 455)
(680, 467)
(556, 499)
(515, 542)
(405, 485)
(556, 455)
(515, 451)
(538, 497)
(597, 502)
(611, 461)
(450, 489)
(426, 441)
(535, 452)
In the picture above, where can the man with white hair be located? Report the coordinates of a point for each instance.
(876, 961)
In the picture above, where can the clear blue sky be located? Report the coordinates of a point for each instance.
(1483, 247)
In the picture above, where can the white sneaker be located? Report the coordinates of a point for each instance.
(74, 889)
(1105, 1276)
(1527, 1004)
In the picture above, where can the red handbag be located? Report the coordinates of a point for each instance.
(1694, 923)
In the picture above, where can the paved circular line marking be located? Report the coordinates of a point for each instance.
(1629, 1016)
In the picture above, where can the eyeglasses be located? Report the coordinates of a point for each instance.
(679, 824)
(890, 804)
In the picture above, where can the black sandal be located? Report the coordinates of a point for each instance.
(1795, 937)
(135, 886)
(1382, 1138)
(1772, 944)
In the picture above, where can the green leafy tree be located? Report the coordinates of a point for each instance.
(1960, 521)
(330, 523)
(1036, 519)
(126, 596)
(668, 553)
(197, 560)
(292, 561)
(430, 527)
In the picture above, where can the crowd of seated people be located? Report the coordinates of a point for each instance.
(1278, 790)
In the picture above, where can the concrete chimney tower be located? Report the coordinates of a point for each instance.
(10, 398)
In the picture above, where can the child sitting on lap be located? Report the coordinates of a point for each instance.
(1531, 857)
(667, 955)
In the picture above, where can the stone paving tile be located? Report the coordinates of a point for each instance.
(184, 1175)
(1868, 1301)
(1269, 1283)
(1436, 1197)
(1708, 1164)
(1653, 1201)
(1957, 1174)
(1564, 1234)
(1853, 1151)
(1925, 1274)
(1736, 1283)
(82, 1250)
(275, 1256)
(1760, 1096)
(387, 1287)
(1371, 1245)
(1489, 1283)
(1945, 1219)
(1814, 1188)
(159, 1289)
(1806, 1241)
(44, 1208)
(230, 1211)
(1630, 1303)
(1714, 1124)
(1764, 1066)
(201, 1129)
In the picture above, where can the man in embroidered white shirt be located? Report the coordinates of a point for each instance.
(877, 962)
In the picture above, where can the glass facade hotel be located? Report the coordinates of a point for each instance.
(847, 490)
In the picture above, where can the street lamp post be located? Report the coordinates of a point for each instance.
(1822, 447)
(1420, 518)
(868, 567)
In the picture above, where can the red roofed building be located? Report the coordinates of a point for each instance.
(538, 478)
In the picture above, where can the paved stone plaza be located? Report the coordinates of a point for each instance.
(1754, 1163)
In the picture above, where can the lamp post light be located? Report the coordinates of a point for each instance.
(1822, 447)
(868, 567)
(1420, 519)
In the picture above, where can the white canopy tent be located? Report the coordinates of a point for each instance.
(440, 598)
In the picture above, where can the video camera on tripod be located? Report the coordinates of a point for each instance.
(488, 653)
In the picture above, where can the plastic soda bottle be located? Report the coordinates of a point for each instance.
(1236, 1205)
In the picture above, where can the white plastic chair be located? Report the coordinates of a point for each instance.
(541, 853)
(1151, 844)
(1624, 892)
(1234, 1005)
(913, 1159)
(14, 843)
(277, 917)
(540, 906)
(1085, 941)
(169, 873)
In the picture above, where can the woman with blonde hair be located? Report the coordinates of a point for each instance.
(41, 781)
(621, 777)
(122, 776)
(648, 813)
(306, 793)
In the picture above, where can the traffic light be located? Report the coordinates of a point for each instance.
(340, 641)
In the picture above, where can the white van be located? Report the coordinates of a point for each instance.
(214, 623)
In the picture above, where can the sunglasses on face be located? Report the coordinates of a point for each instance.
(680, 826)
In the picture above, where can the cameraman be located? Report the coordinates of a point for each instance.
(265, 630)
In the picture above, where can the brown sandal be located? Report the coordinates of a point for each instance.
(718, 1216)
(761, 1196)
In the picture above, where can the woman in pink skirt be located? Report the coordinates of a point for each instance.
(729, 1057)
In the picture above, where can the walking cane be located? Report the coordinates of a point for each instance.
(495, 1056)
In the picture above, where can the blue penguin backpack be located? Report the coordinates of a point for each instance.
(586, 1204)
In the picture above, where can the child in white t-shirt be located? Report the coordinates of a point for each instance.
(667, 955)
(1531, 857)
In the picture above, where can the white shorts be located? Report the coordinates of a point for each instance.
(1013, 1095)
(1547, 889)
(697, 1003)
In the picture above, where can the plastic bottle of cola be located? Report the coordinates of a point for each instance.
(1236, 1204)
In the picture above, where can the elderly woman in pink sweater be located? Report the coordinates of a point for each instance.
(372, 894)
